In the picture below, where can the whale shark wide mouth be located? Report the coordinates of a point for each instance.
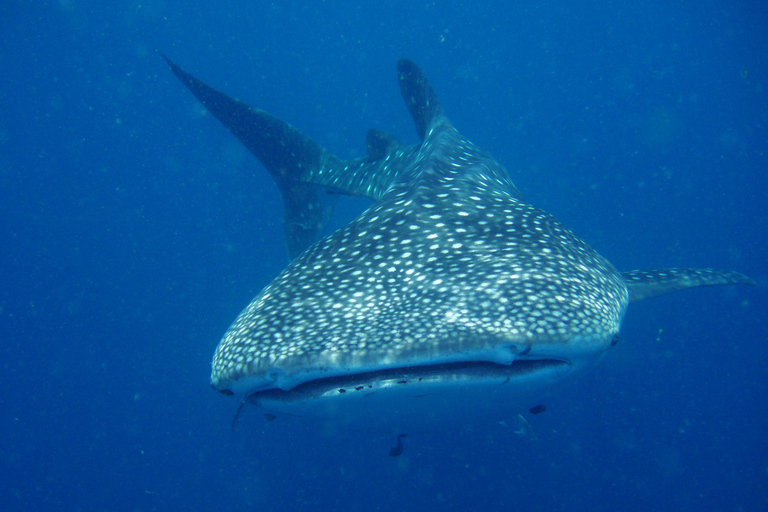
(419, 378)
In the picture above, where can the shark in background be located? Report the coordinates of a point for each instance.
(448, 294)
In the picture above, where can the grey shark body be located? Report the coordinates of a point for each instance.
(449, 293)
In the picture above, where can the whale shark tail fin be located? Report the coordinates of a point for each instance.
(287, 154)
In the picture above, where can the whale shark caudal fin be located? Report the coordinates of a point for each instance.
(303, 170)
(284, 151)
(643, 284)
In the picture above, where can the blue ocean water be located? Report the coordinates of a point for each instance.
(135, 228)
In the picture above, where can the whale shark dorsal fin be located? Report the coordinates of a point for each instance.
(379, 144)
(419, 96)
(643, 284)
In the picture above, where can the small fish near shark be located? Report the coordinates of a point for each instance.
(449, 297)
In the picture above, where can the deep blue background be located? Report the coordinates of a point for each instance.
(134, 229)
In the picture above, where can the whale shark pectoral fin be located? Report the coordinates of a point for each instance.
(643, 284)
(287, 154)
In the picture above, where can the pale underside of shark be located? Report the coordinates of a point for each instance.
(448, 294)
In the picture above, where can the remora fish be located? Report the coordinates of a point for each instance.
(450, 293)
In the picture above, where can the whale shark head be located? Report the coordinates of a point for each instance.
(449, 289)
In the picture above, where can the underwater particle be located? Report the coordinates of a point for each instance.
(525, 429)
(398, 448)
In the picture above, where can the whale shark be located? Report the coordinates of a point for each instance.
(450, 296)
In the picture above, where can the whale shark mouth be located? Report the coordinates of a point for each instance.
(417, 380)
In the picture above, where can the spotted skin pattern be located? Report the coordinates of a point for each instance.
(447, 259)
(449, 264)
